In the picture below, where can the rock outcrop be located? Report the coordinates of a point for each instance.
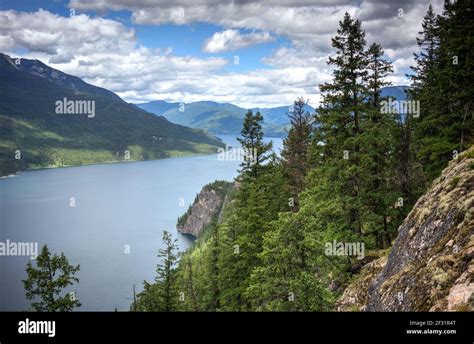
(430, 266)
(208, 203)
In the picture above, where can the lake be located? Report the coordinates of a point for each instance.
(115, 227)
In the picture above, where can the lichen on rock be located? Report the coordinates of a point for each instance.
(430, 266)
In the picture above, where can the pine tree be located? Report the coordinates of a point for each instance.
(337, 139)
(456, 72)
(192, 291)
(214, 267)
(295, 159)
(255, 149)
(378, 143)
(286, 279)
(162, 296)
(425, 89)
(48, 280)
(166, 272)
(428, 58)
(442, 83)
(378, 70)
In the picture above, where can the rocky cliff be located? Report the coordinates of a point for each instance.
(430, 266)
(208, 204)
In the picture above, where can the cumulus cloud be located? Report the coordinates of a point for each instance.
(63, 37)
(233, 40)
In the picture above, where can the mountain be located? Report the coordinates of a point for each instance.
(158, 106)
(219, 118)
(38, 68)
(36, 131)
(210, 116)
(397, 92)
(278, 116)
(431, 264)
(225, 118)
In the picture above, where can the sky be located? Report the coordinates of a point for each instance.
(249, 53)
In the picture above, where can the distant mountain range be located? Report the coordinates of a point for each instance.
(219, 118)
(225, 118)
(34, 134)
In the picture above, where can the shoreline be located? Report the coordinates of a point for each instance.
(100, 163)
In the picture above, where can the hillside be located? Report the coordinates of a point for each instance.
(430, 266)
(33, 135)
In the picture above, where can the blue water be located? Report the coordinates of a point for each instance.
(115, 205)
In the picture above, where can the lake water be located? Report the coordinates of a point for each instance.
(117, 207)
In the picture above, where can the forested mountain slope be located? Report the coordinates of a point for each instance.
(33, 135)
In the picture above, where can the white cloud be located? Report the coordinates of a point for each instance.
(63, 37)
(233, 40)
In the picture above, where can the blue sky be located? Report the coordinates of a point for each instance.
(188, 40)
(185, 50)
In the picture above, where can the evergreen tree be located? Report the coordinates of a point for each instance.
(214, 267)
(337, 138)
(285, 281)
(378, 70)
(442, 83)
(295, 149)
(166, 273)
(45, 283)
(378, 143)
(162, 296)
(255, 149)
(255, 204)
(427, 59)
(456, 72)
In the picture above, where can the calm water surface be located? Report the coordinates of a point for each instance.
(115, 205)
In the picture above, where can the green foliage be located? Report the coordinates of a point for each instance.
(161, 296)
(256, 151)
(453, 182)
(295, 159)
(46, 282)
(443, 83)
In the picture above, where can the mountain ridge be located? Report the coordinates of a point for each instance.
(33, 135)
